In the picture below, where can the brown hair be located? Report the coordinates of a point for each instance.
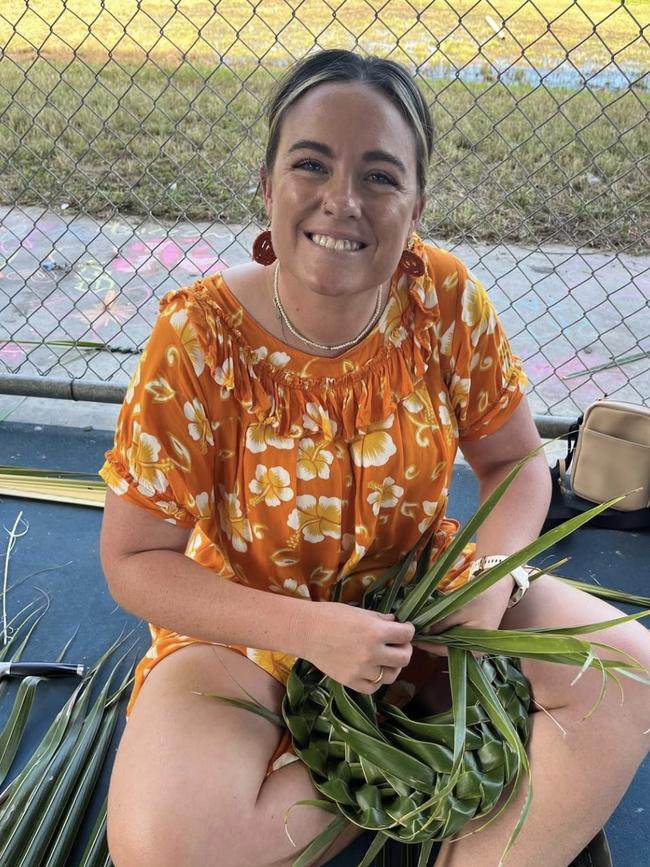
(391, 78)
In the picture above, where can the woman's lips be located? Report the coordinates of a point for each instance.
(335, 245)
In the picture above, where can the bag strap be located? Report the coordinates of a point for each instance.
(571, 442)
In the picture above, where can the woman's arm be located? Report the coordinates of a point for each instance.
(519, 515)
(149, 575)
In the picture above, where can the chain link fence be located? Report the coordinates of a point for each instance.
(131, 135)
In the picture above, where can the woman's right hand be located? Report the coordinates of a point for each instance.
(350, 644)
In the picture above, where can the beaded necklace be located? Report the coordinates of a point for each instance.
(336, 347)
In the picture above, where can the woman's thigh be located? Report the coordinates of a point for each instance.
(550, 602)
(188, 769)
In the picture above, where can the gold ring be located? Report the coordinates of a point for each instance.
(379, 676)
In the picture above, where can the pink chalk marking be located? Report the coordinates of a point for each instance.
(12, 352)
(168, 254)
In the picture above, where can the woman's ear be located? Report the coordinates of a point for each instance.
(265, 181)
(418, 210)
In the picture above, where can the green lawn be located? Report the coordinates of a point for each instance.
(172, 137)
(169, 30)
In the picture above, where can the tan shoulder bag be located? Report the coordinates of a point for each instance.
(608, 453)
(612, 455)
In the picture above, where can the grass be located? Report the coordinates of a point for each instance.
(163, 127)
(244, 32)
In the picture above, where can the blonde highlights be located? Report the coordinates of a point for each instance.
(390, 78)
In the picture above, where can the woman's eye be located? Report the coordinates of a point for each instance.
(382, 178)
(310, 165)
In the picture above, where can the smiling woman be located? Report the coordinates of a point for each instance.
(294, 423)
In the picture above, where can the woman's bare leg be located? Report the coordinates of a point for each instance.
(187, 785)
(578, 779)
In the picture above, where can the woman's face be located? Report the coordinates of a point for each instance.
(345, 170)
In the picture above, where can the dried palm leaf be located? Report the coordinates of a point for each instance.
(54, 486)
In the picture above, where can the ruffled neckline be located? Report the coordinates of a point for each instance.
(292, 390)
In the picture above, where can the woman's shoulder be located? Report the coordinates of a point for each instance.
(246, 282)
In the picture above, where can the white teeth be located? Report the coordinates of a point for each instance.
(333, 244)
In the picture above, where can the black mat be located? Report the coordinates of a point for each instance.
(60, 555)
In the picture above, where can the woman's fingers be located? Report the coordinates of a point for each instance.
(396, 632)
(366, 685)
(434, 649)
(395, 656)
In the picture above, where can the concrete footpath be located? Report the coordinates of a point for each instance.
(67, 276)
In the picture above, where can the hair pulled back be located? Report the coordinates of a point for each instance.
(389, 77)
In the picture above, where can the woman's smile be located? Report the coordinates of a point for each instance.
(335, 244)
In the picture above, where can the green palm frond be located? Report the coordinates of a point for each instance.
(420, 780)
(13, 730)
(96, 852)
(93, 345)
(40, 810)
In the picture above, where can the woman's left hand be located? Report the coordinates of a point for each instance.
(484, 612)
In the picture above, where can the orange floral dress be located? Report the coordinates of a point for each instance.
(293, 470)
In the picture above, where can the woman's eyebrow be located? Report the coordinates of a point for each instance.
(384, 157)
(309, 144)
(368, 156)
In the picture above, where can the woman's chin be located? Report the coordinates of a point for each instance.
(337, 282)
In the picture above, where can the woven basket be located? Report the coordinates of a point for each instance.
(378, 765)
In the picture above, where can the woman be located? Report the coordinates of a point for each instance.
(296, 419)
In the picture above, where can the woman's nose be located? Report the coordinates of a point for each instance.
(341, 198)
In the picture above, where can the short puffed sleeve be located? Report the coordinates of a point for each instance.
(485, 380)
(163, 453)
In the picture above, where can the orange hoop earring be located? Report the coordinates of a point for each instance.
(410, 262)
(263, 251)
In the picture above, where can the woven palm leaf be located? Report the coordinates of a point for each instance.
(421, 780)
(390, 773)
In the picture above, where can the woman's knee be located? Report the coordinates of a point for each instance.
(188, 769)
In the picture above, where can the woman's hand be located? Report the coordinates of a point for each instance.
(485, 611)
(350, 644)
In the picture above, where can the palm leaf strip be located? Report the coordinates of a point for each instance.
(55, 486)
(96, 852)
(64, 837)
(31, 806)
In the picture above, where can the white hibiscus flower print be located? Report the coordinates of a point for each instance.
(316, 519)
(375, 447)
(189, 338)
(225, 377)
(144, 463)
(271, 484)
(384, 495)
(260, 436)
(199, 427)
(233, 521)
(317, 419)
(429, 508)
(313, 461)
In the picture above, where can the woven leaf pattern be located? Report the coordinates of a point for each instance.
(379, 765)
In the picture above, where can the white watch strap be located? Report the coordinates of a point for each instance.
(519, 575)
(484, 563)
